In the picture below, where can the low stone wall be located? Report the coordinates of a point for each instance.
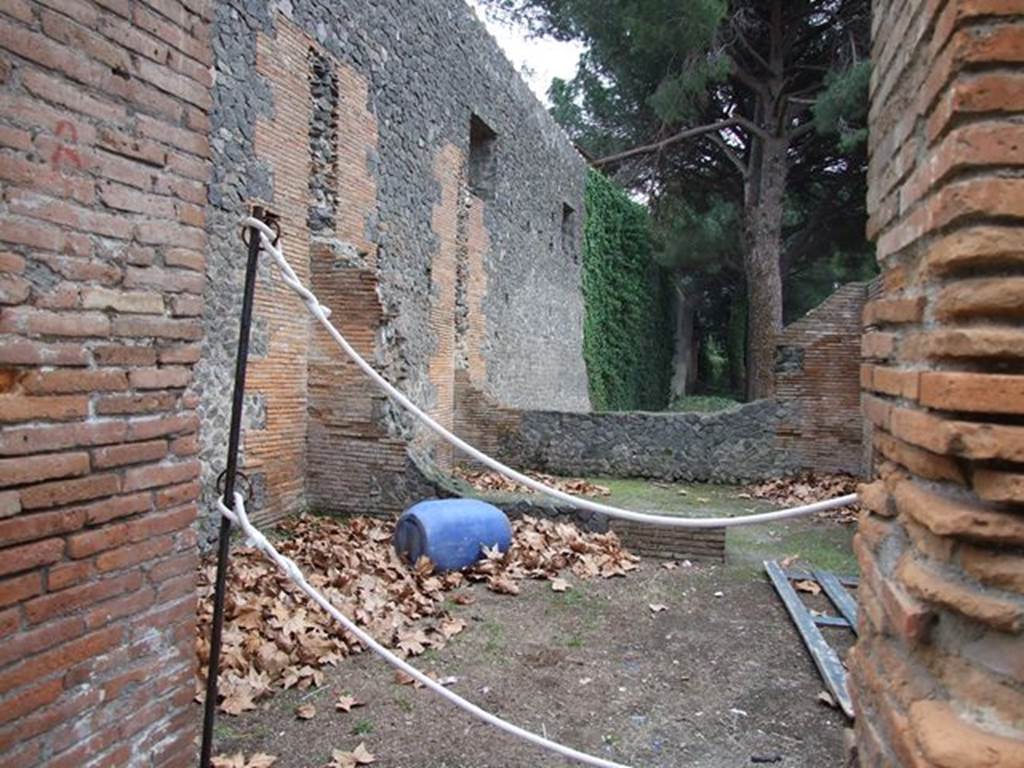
(736, 445)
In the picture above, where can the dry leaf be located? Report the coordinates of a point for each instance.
(403, 678)
(808, 487)
(358, 756)
(413, 642)
(826, 698)
(484, 480)
(560, 585)
(670, 566)
(237, 760)
(346, 703)
(807, 585)
(305, 711)
(274, 639)
(657, 607)
(451, 627)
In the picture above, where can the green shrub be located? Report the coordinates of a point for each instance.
(627, 334)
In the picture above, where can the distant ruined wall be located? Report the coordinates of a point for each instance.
(432, 202)
(734, 445)
(938, 670)
(813, 423)
(817, 362)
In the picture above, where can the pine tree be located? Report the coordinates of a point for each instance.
(755, 103)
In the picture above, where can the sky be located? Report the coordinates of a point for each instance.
(537, 59)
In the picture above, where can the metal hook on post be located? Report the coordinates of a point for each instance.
(231, 474)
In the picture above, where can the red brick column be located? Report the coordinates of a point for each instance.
(103, 170)
(938, 671)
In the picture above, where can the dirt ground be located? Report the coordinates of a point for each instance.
(718, 679)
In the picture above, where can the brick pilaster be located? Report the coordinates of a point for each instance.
(104, 162)
(938, 671)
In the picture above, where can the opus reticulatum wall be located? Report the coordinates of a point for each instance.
(432, 202)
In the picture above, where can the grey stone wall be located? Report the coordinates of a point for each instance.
(430, 65)
(736, 445)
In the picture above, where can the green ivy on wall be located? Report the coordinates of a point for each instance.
(627, 332)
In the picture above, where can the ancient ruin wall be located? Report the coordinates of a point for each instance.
(938, 670)
(439, 230)
(813, 423)
(104, 161)
(816, 371)
(735, 445)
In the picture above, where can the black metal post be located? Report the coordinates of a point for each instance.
(230, 475)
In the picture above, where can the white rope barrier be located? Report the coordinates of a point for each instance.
(287, 565)
(322, 314)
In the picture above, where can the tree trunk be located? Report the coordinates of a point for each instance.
(683, 358)
(736, 345)
(763, 233)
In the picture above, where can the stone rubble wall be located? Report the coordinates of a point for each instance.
(735, 445)
(429, 278)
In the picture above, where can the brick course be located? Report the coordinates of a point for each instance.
(939, 543)
(816, 372)
(102, 161)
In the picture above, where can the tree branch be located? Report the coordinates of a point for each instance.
(729, 153)
(751, 126)
(800, 130)
(750, 81)
(746, 43)
(657, 146)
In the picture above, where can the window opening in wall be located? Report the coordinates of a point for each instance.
(323, 143)
(569, 231)
(482, 158)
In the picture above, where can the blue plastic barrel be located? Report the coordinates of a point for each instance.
(451, 532)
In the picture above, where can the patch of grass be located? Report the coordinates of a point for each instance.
(571, 598)
(362, 728)
(495, 643)
(826, 546)
(819, 544)
(451, 606)
(575, 642)
(587, 610)
(402, 703)
(223, 732)
(691, 499)
(702, 404)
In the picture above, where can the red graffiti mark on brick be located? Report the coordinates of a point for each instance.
(67, 131)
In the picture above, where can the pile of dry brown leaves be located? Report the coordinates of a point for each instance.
(275, 638)
(484, 480)
(807, 488)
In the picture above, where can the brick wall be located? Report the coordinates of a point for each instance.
(938, 671)
(816, 371)
(275, 449)
(351, 462)
(362, 116)
(449, 172)
(473, 338)
(103, 171)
